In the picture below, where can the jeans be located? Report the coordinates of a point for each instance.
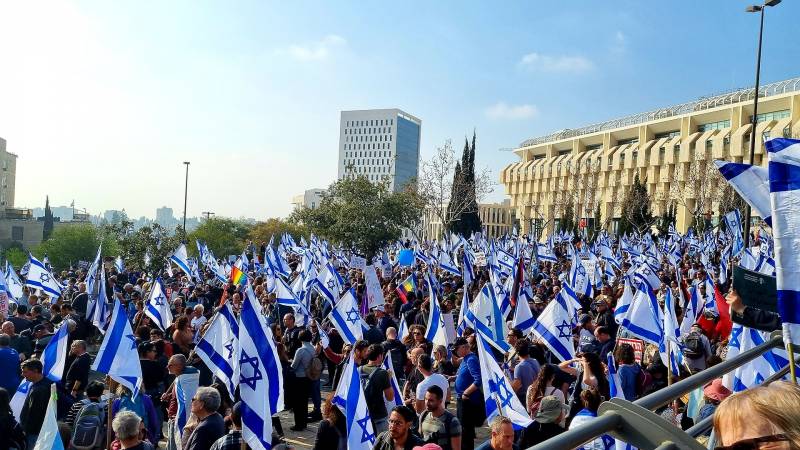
(316, 395)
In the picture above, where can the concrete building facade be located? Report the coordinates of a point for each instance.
(497, 219)
(8, 176)
(381, 144)
(310, 199)
(589, 169)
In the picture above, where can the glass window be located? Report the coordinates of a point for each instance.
(719, 125)
(775, 115)
(668, 134)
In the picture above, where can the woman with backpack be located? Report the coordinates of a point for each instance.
(11, 435)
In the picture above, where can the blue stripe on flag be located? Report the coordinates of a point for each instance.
(783, 177)
(789, 306)
(216, 358)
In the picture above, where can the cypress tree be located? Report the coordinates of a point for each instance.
(47, 229)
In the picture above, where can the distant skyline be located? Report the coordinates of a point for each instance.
(102, 101)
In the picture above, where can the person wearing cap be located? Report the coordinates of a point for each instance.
(538, 306)
(502, 435)
(713, 394)
(384, 320)
(470, 407)
(604, 316)
(545, 424)
(233, 440)
(399, 435)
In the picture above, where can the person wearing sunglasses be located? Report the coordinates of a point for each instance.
(764, 417)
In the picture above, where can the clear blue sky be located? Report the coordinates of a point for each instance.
(102, 101)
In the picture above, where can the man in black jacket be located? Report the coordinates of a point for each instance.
(78, 373)
(748, 316)
(33, 410)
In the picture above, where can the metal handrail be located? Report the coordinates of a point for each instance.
(613, 421)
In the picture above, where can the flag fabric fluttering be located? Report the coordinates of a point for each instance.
(54, 357)
(158, 308)
(409, 285)
(436, 331)
(485, 318)
(49, 437)
(40, 277)
(260, 379)
(555, 323)
(181, 259)
(18, 400)
(118, 356)
(350, 399)
(499, 397)
(186, 386)
(751, 183)
(398, 396)
(346, 317)
(219, 347)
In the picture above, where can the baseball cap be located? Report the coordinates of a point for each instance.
(550, 408)
(428, 446)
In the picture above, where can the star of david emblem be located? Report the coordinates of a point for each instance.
(503, 392)
(353, 315)
(133, 340)
(331, 284)
(736, 333)
(229, 348)
(647, 271)
(489, 320)
(365, 434)
(564, 330)
(44, 278)
(500, 290)
(255, 372)
(160, 300)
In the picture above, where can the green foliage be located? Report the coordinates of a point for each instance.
(263, 231)
(636, 214)
(72, 243)
(667, 219)
(468, 220)
(567, 222)
(153, 240)
(361, 215)
(47, 230)
(16, 256)
(224, 236)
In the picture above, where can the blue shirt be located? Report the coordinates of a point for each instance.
(628, 377)
(469, 373)
(9, 369)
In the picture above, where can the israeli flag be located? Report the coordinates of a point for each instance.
(398, 397)
(97, 310)
(500, 398)
(734, 222)
(648, 275)
(692, 309)
(402, 330)
(210, 262)
(446, 264)
(117, 356)
(670, 338)
(119, 265)
(54, 357)
(346, 317)
(350, 399)
(614, 382)
(484, 317)
(185, 387)
(579, 279)
(181, 259)
(260, 379)
(39, 277)
(18, 400)
(278, 263)
(158, 307)
(284, 295)
(756, 371)
(750, 182)
(13, 283)
(466, 266)
(329, 284)
(624, 303)
(523, 318)
(219, 347)
(544, 252)
(555, 323)
(644, 319)
(436, 331)
(49, 438)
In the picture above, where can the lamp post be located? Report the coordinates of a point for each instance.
(758, 9)
(185, 197)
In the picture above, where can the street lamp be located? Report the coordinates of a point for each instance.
(758, 9)
(185, 197)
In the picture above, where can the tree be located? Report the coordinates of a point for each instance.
(567, 222)
(447, 186)
(667, 219)
(224, 236)
(636, 214)
(361, 215)
(263, 231)
(47, 230)
(72, 243)
(154, 240)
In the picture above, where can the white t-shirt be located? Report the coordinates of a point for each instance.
(197, 323)
(436, 379)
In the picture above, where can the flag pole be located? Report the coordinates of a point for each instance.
(790, 351)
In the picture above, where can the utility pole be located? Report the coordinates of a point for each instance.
(185, 197)
(208, 214)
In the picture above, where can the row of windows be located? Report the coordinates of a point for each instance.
(383, 130)
(368, 169)
(369, 138)
(722, 124)
(381, 146)
(369, 123)
(367, 154)
(363, 162)
(775, 115)
(668, 134)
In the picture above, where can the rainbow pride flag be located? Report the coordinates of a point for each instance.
(410, 285)
(237, 276)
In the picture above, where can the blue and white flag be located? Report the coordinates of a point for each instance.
(751, 183)
(578, 278)
(402, 328)
(118, 357)
(219, 347)
(350, 399)
(97, 310)
(614, 382)
(181, 259)
(49, 438)
(398, 396)
(436, 331)
(462, 322)
(346, 317)
(554, 325)
(260, 379)
(523, 318)
(284, 295)
(210, 262)
(466, 267)
(158, 307)
(784, 186)
(484, 317)
(13, 283)
(692, 310)
(756, 371)
(39, 277)
(733, 220)
(329, 284)
(644, 320)
(278, 263)
(624, 303)
(18, 400)
(669, 347)
(185, 387)
(497, 392)
(544, 252)
(648, 275)
(119, 264)
(54, 357)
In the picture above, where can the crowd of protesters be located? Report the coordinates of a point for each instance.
(443, 402)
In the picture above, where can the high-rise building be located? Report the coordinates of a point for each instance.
(585, 172)
(381, 144)
(164, 216)
(8, 175)
(310, 199)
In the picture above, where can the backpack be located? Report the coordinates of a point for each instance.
(693, 345)
(314, 371)
(434, 438)
(88, 431)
